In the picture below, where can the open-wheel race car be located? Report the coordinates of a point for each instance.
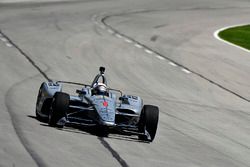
(97, 105)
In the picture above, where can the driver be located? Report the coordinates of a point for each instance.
(99, 89)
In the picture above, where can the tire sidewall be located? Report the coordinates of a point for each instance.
(59, 107)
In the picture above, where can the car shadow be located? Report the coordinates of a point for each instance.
(92, 131)
(32, 116)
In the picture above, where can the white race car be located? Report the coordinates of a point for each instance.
(97, 105)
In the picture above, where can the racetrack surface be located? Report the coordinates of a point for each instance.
(161, 50)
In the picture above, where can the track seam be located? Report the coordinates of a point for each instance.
(172, 62)
(32, 153)
(36, 158)
(25, 55)
(114, 153)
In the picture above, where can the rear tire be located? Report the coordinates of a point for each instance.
(148, 122)
(60, 106)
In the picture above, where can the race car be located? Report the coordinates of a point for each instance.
(97, 105)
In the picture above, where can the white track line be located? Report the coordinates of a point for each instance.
(128, 40)
(148, 51)
(185, 70)
(160, 57)
(8, 44)
(141, 46)
(3, 39)
(172, 64)
(145, 49)
(138, 46)
(216, 35)
(118, 35)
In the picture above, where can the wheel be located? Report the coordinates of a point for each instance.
(148, 122)
(38, 117)
(60, 105)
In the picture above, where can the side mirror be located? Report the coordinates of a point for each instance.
(80, 92)
(122, 98)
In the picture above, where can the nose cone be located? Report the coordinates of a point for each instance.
(105, 108)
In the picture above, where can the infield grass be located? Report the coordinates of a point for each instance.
(237, 35)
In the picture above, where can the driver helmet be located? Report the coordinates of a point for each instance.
(100, 89)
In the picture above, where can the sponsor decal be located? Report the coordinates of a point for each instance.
(105, 104)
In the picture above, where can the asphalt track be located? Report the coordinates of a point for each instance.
(161, 50)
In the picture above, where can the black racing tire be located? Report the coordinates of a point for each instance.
(148, 121)
(38, 117)
(60, 106)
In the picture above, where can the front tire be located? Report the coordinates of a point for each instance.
(60, 106)
(39, 96)
(38, 117)
(148, 122)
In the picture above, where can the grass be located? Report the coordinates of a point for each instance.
(237, 35)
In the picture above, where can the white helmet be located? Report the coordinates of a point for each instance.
(99, 89)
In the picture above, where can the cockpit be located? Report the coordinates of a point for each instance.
(99, 84)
